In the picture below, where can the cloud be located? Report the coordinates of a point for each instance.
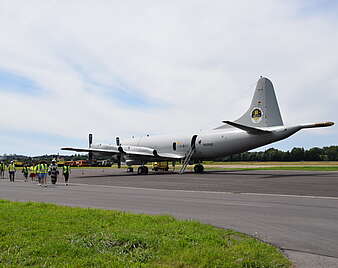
(130, 68)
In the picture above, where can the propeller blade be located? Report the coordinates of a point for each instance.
(119, 160)
(90, 141)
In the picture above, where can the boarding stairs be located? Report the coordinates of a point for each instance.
(187, 159)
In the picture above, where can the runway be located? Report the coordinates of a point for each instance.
(294, 210)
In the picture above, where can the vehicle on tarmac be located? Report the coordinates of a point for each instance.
(260, 125)
(164, 166)
(18, 163)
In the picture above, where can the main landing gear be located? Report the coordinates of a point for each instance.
(142, 170)
(198, 168)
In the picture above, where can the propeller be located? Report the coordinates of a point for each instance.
(90, 154)
(119, 156)
(119, 160)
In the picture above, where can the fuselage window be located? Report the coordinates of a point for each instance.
(174, 146)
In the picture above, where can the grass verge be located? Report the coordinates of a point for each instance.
(301, 168)
(46, 235)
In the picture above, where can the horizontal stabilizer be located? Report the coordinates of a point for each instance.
(250, 130)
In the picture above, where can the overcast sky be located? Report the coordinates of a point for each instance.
(123, 68)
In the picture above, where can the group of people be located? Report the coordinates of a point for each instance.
(37, 172)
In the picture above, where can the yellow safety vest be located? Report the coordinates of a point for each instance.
(11, 167)
(41, 168)
(66, 169)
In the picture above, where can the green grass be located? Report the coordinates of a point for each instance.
(45, 235)
(301, 168)
(279, 163)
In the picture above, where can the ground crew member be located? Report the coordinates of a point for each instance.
(32, 172)
(44, 171)
(38, 172)
(25, 172)
(53, 171)
(11, 171)
(66, 172)
(2, 170)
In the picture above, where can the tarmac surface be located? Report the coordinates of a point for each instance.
(294, 210)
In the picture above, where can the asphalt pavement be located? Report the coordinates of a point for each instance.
(294, 210)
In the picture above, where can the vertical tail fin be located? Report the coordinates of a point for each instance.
(264, 110)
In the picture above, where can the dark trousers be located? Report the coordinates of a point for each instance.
(66, 175)
(11, 175)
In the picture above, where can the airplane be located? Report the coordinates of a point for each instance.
(260, 125)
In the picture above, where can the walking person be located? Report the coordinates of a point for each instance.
(2, 170)
(44, 172)
(11, 171)
(38, 170)
(53, 171)
(32, 172)
(25, 172)
(66, 172)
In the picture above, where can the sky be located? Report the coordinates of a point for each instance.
(130, 68)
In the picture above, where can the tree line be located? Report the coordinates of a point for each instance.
(296, 154)
(329, 153)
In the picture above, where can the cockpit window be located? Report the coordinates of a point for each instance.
(174, 146)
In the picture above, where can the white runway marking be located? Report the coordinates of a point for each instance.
(211, 192)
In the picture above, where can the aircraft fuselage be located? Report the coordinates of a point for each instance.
(209, 144)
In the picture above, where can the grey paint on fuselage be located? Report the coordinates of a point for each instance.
(214, 143)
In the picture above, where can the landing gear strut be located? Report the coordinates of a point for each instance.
(142, 170)
(198, 168)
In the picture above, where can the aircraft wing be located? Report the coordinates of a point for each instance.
(88, 150)
(250, 130)
(135, 151)
(171, 156)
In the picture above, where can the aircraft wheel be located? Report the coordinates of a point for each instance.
(142, 170)
(198, 168)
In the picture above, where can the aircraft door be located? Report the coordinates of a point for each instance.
(193, 141)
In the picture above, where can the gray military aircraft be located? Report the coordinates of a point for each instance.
(260, 125)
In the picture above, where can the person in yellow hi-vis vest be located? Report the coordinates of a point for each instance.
(66, 171)
(44, 172)
(2, 170)
(11, 171)
(25, 171)
(32, 173)
(38, 169)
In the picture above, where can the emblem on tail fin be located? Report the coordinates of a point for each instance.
(256, 115)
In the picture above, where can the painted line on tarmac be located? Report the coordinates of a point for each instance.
(209, 192)
(194, 191)
(291, 195)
